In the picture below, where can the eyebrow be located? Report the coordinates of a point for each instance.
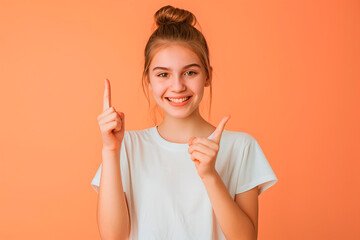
(187, 66)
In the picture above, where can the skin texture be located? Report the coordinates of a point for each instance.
(180, 123)
(238, 218)
(112, 210)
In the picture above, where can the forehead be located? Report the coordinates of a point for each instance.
(174, 55)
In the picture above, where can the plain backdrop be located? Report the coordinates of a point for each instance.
(286, 71)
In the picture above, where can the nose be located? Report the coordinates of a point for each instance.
(178, 84)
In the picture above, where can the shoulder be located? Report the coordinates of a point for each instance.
(238, 137)
(136, 135)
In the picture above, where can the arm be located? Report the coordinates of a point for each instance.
(112, 212)
(234, 221)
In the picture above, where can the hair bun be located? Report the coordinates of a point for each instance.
(169, 14)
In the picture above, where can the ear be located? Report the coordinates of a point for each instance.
(149, 84)
(208, 80)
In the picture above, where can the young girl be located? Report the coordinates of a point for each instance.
(184, 178)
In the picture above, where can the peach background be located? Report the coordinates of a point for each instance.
(287, 72)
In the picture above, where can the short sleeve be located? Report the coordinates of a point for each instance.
(95, 183)
(255, 170)
(96, 180)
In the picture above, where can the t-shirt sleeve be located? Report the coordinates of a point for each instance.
(95, 183)
(255, 170)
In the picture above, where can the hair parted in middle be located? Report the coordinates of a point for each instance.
(175, 25)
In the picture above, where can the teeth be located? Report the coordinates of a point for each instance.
(178, 100)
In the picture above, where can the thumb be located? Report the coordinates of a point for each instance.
(122, 115)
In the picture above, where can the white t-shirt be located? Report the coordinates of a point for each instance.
(167, 198)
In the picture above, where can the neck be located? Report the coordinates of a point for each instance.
(180, 130)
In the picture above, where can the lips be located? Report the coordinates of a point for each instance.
(178, 104)
(179, 97)
(188, 98)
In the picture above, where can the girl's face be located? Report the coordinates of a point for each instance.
(176, 72)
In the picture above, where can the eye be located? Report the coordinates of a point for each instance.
(159, 75)
(194, 73)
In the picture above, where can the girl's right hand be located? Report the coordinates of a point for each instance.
(111, 122)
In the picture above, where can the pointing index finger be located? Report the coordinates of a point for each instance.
(107, 95)
(220, 129)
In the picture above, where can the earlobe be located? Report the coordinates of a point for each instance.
(149, 84)
(207, 82)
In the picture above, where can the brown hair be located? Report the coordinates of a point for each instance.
(175, 25)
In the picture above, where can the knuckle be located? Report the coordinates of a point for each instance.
(110, 109)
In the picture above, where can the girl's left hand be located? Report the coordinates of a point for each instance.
(204, 151)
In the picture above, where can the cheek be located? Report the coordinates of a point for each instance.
(198, 88)
(158, 90)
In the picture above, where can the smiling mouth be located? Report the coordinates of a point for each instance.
(178, 100)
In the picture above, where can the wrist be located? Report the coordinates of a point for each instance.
(210, 177)
(110, 150)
